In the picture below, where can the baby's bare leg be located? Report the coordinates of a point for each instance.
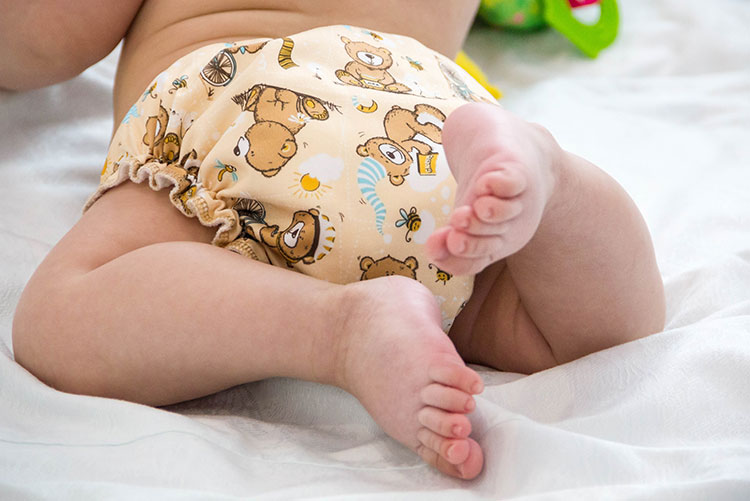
(132, 304)
(137, 300)
(45, 41)
(571, 265)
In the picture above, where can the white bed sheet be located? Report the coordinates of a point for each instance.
(666, 111)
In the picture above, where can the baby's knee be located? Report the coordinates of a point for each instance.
(43, 332)
(29, 324)
(629, 324)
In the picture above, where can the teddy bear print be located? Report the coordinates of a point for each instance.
(165, 146)
(156, 127)
(387, 266)
(401, 126)
(308, 238)
(369, 67)
(279, 115)
(185, 174)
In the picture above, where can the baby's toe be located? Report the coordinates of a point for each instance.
(461, 217)
(468, 469)
(473, 464)
(447, 398)
(487, 247)
(504, 182)
(458, 376)
(491, 209)
(444, 423)
(435, 246)
(455, 451)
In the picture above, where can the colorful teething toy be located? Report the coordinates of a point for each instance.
(533, 14)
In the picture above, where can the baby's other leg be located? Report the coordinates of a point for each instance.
(45, 42)
(565, 261)
(133, 304)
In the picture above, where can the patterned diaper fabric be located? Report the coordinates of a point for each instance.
(319, 152)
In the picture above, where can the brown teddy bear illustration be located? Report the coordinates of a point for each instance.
(186, 176)
(387, 266)
(165, 147)
(369, 67)
(156, 126)
(308, 238)
(401, 126)
(279, 115)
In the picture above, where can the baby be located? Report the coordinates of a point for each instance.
(428, 226)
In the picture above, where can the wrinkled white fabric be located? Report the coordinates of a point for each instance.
(666, 111)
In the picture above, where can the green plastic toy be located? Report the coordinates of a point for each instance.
(535, 14)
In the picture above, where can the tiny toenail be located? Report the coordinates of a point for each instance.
(470, 405)
(457, 430)
(460, 469)
(461, 246)
(450, 450)
(476, 388)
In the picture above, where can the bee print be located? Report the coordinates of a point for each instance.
(178, 83)
(412, 221)
(442, 276)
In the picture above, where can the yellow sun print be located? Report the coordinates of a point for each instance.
(316, 176)
(308, 186)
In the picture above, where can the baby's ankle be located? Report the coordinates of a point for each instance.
(334, 306)
(363, 308)
(351, 303)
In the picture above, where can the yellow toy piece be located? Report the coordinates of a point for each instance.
(465, 62)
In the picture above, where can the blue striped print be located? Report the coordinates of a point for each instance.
(369, 173)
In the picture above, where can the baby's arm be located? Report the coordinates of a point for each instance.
(43, 42)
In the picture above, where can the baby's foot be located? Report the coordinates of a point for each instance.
(397, 361)
(504, 169)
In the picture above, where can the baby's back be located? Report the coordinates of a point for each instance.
(50, 41)
(164, 30)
